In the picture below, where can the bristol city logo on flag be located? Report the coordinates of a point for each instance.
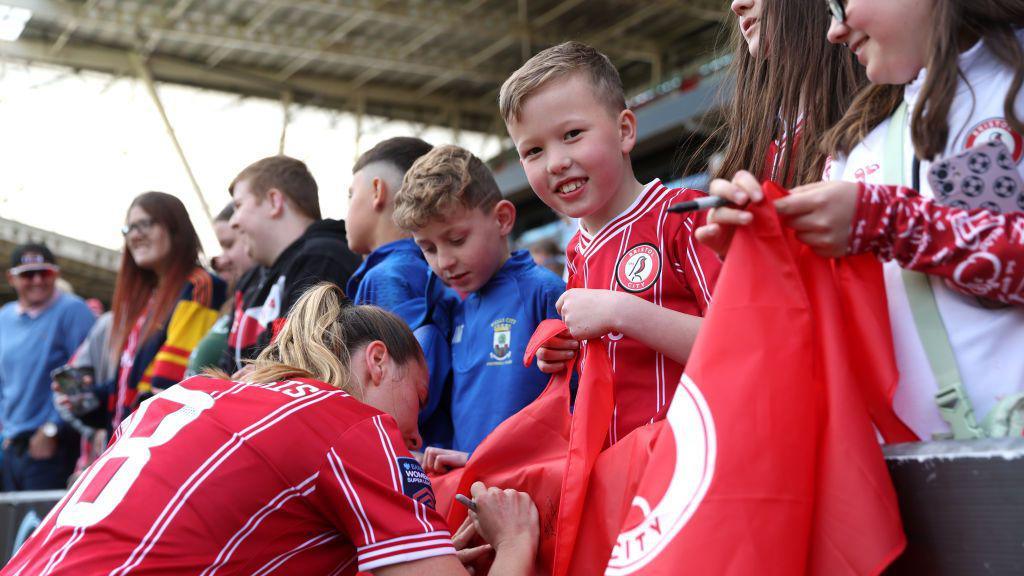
(997, 130)
(638, 268)
(665, 502)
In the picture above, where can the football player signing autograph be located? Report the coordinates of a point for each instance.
(303, 469)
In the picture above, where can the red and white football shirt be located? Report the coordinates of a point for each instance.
(652, 254)
(217, 477)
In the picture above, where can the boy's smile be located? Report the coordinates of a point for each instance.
(575, 151)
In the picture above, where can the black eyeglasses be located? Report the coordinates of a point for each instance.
(141, 226)
(837, 9)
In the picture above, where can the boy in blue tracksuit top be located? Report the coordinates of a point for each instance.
(491, 299)
(394, 274)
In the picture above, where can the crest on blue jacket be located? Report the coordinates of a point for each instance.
(501, 345)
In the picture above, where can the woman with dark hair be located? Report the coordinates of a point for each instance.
(303, 469)
(928, 176)
(164, 301)
(791, 87)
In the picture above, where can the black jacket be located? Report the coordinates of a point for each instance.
(264, 295)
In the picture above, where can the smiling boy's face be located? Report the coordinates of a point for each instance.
(575, 150)
(469, 246)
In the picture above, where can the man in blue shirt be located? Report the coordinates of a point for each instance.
(38, 332)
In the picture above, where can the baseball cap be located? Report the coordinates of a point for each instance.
(32, 256)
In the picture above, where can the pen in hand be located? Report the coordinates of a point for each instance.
(465, 501)
(705, 203)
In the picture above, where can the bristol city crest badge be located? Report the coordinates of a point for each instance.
(638, 269)
(998, 130)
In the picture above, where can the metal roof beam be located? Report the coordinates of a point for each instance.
(153, 22)
(413, 45)
(62, 40)
(258, 20)
(173, 16)
(247, 81)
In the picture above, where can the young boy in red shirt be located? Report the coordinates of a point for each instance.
(638, 279)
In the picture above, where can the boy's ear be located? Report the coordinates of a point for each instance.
(277, 201)
(505, 213)
(380, 193)
(627, 130)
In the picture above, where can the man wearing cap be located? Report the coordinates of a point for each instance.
(38, 332)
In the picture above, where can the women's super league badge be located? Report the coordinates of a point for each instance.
(501, 346)
(638, 269)
(415, 482)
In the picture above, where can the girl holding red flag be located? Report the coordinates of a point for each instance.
(928, 160)
(791, 87)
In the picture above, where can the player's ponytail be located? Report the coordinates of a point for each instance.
(319, 334)
(310, 344)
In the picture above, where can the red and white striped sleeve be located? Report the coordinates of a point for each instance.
(376, 492)
(976, 252)
(698, 264)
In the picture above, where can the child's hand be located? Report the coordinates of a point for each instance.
(822, 215)
(722, 222)
(553, 356)
(441, 460)
(589, 313)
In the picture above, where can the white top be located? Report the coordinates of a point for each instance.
(988, 343)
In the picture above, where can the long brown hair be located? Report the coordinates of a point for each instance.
(320, 334)
(796, 63)
(136, 285)
(954, 22)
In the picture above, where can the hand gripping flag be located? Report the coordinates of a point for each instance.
(767, 461)
(527, 451)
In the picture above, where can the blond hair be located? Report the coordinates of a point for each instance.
(560, 62)
(439, 183)
(319, 335)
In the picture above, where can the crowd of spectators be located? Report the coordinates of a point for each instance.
(427, 238)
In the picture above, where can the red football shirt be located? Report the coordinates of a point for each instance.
(650, 253)
(217, 477)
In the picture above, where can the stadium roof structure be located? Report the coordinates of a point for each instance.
(436, 62)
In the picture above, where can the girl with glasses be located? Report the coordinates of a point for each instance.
(928, 175)
(164, 302)
(791, 87)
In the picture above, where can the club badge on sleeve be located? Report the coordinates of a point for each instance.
(415, 483)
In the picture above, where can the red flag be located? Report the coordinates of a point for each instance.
(527, 451)
(869, 334)
(767, 461)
